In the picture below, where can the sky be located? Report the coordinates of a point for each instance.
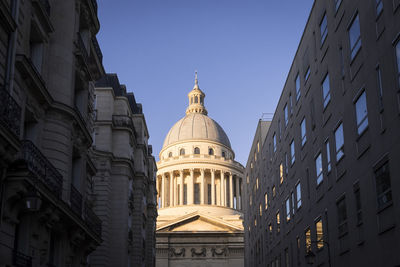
(242, 50)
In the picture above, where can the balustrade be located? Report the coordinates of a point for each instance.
(10, 112)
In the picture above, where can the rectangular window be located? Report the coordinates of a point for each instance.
(354, 37)
(398, 60)
(379, 7)
(383, 185)
(339, 140)
(292, 152)
(307, 74)
(357, 198)
(281, 173)
(273, 191)
(337, 4)
(308, 240)
(298, 196)
(287, 209)
(297, 84)
(342, 216)
(196, 193)
(328, 156)
(303, 132)
(280, 129)
(318, 169)
(361, 113)
(380, 87)
(291, 104)
(323, 28)
(292, 202)
(274, 140)
(286, 114)
(278, 222)
(266, 201)
(326, 91)
(319, 233)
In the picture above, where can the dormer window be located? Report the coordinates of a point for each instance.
(196, 150)
(210, 151)
(182, 152)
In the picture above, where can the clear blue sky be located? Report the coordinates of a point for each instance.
(242, 50)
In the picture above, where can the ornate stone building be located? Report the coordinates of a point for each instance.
(125, 189)
(199, 187)
(49, 58)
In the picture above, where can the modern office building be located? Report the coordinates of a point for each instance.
(49, 58)
(324, 187)
(124, 185)
(199, 187)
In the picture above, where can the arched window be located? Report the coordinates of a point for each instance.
(196, 150)
(170, 154)
(182, 151)
(210, 151)
(201, 99)
(223, 154)
(191, 100)
(196, 100)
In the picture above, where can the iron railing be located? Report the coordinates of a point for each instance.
(40, 166)
(22, 260)
(91, 219)
(10, 112)
(76, 200)
(97, 49)
(46, 6)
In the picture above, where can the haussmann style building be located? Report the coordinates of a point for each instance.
(323, 187)
(199, 187)
(124, 184)
(49, 60)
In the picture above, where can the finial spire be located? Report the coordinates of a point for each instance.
(196, 81)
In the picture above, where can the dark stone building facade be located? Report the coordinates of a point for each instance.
(324, 188)
(49, 58)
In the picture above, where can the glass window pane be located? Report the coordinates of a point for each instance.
(354, 35)
(318, 168)
(326, 90)
(303, 132)
(339, 142)
(297, 87)
(292, 152)
(298, 195)
(323, 29)
(319, 232)
(361, 113)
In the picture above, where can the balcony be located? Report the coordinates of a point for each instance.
(21, 260)
(40, 166)
(76, 201)
(10, 112)
(91, 219)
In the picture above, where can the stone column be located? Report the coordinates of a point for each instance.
(171, 189)
(176, 191)
(222, 198)
(241, 192)
(237, 191)
(190, 190)
(213, 187)
(231, 190)
(202, 187)
(163, 190)
(181, 189)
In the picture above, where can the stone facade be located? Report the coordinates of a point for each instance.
(324, 189)
(125, 182)
(49, 58)
(199, 187)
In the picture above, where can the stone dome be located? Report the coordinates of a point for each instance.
(196, 126)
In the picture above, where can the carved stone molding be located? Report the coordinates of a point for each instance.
(202, 252)
(174, 252)
(215, 252)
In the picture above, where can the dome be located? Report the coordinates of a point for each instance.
(196, 126)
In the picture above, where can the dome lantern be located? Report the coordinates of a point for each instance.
(196, 99)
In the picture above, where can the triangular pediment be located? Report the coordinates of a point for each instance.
(198, 222)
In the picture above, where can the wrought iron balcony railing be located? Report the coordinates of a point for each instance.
(91, 219)
(10, 112)
(22, 260)
(76, 200)
(97, 48)
(40, 166)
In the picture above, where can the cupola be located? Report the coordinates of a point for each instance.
(196, 99)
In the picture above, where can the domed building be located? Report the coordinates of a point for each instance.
(199, 187)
